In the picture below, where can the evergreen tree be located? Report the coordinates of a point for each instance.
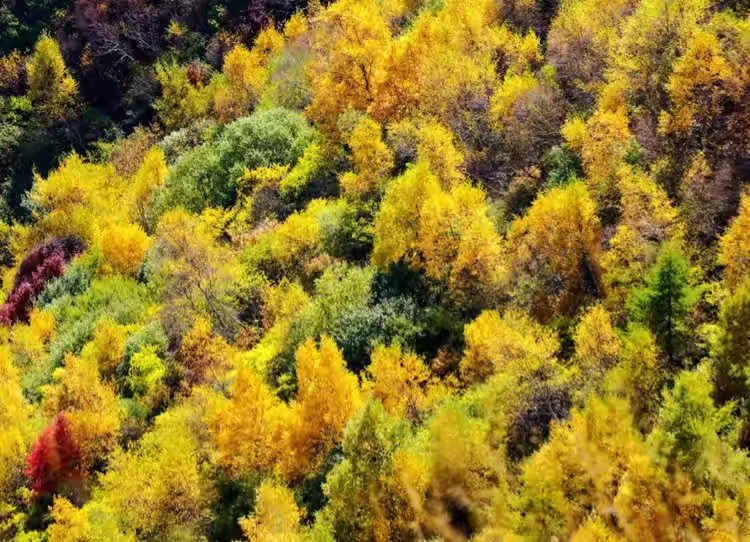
(731, 350)
(664, 303)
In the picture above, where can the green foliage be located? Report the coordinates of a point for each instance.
(664, 303)
(731, 348)
(150, 337)
(207, 175)
(119, 299)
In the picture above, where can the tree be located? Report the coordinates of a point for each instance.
(647, 220)
(123, 248)
(106, 347)
(731, 349)
(91, 407)
(246, 72)
(372, 159)
(560, 490)
(555, 252)
(206, 357)
(198, 274)
(182, 99)
(448, 234)
(328, 397)
(401, 381)
(146, 372)
(151, 174)
(597, 345)
(581, 37)
(158, 488)
(51, 86)
(733, 246)
(365, 499)
(90, 523)
(18, 430)
(248, 426)
(277, 518)
(507, 343)
(348, 41)
(664, 303)
(55, 458)
(43, 264)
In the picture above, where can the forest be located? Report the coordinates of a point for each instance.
(374, 270)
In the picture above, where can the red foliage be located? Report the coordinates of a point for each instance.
(55, 458)
(42, 264)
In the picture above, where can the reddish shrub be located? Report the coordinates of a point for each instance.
(42, 264)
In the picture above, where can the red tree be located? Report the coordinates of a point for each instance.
(55, 458)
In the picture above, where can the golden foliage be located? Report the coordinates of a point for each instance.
(276, 518)
(510, 342)
(557, 240)
(372, 159)
(123, 248)
(92, 406)
(734, 246)
(328, 397)
(51, 86)
(247, 427)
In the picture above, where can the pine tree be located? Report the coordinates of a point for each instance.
(665, 301)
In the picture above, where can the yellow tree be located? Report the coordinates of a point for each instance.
(90, 523)
(158, 488)
(276, 519)
(78, 198)
(700, 85)
(206, 357)
(198, 273)
(651, 37)
(401, 381)
(593, 464)
(91, 406)
(183, 99)
(107, 346)
(248, 426)
(447, 233)
(373, 160)
(601, 141)
(328, 397)
(151, 174)
(18, 429)
(555, 252)
(245, 72)
(123, 248)
(348, 41)
(581, 38)
(734, 246)
(513, 341)
(648, 219)
(436, 145)
(51, 86)
(597, 346)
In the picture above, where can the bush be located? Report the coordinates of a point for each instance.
(149, 336)
(121, 300)
(44, 263)
(74, 282)
(206, 176)
(177, 143)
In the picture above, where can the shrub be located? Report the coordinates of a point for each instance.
(207, 175)
(149, 336)
(42, 264)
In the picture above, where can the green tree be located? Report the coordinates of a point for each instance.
(731, 349)
(664, 303)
